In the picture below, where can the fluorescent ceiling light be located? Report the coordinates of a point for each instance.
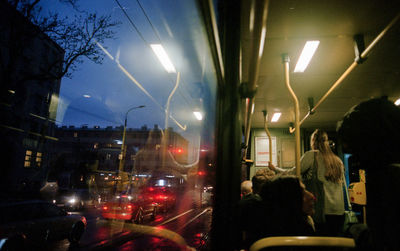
(397, 102)
(86, 96)
(198, 115)
(163, 57)
(306, 55)
(276, 116)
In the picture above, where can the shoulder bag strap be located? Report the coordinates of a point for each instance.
(347, 191)
(315, 166)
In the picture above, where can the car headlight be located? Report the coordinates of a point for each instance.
(72, 200)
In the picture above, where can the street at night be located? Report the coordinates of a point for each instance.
(188, 219)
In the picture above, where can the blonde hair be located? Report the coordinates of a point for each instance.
(333, 165)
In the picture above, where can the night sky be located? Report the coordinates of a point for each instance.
(110, 86)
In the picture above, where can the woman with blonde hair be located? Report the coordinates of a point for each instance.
(322, 173)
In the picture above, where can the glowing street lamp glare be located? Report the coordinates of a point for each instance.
(305, 57)
(162, 55)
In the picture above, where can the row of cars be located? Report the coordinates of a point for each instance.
(134, 206)
(30, 223)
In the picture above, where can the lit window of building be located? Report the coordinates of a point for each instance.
(28, 157)
(38, 159)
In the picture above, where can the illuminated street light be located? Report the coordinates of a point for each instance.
(123, 146)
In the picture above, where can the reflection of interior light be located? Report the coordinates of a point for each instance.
(276, 117)
(161, 182)
(86, 96)
(306, 55)
(198, 115)
(163, 57)
(397, 102)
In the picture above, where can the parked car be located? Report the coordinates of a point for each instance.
(30, 223)
(72, 200)
(129, 207)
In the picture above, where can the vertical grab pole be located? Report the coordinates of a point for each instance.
(285, 61)
(269, 135)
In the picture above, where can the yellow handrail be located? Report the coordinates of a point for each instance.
(351, 67)
(259, 10)
(285, 61)
(269, 136)
(302, 241)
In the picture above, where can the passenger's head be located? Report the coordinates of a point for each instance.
(284, 193)
(261, 176)
(258, 181)
(319, 141)
(370, 131)
(333, 165)
(246, 187)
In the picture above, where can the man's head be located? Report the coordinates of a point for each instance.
(246, 187)
(370, 131)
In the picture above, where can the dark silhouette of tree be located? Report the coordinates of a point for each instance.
(77, 36)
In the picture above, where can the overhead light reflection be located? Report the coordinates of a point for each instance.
(198, 115)
(163, 57)
(276, 117)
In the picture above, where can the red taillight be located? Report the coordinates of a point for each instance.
(83, 219)
(162, 197)
(129, 207)
(105, 208)
(124, 196)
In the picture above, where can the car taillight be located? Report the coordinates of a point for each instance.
(105, 208)
(129, 207)
(83, 219)
(162, 197)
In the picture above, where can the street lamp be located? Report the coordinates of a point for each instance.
(123, 146)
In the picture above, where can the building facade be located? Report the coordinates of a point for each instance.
(29, 64)
(82, 151)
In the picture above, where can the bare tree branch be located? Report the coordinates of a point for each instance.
(77, 36)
